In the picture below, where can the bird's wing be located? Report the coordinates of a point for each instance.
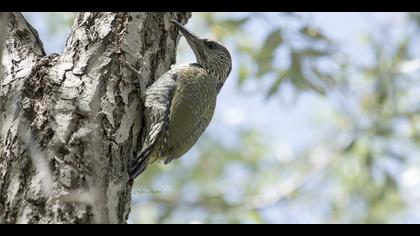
(157, 106)
(192, 108)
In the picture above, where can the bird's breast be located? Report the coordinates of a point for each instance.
(191, 111)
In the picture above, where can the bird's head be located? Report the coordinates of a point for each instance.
(210, 54)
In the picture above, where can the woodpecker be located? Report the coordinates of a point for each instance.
(180, 104)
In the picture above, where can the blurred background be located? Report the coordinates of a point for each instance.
(319, 122)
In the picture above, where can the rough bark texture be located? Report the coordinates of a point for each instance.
(70, 123)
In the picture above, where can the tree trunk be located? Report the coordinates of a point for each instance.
(70, 123)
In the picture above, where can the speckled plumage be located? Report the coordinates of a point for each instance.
(180, 105)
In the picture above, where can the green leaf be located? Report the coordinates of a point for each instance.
(265, 56)
(310, 52)
(402, 51)
(313, 33)
(383, 129)
(350, 146)
(275, 86)
(296, 75)
(243, 72)
(273, 40)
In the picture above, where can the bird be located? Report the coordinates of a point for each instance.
(180, 104)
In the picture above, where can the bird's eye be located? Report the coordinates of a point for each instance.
(211, 45)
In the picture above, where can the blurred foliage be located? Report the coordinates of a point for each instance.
(303, 48)
(360, 171)
(204, 187)
(357, 168)
(59, 21)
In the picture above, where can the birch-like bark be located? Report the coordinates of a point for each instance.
(70, 123)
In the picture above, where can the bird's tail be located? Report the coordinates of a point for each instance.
(140, 162)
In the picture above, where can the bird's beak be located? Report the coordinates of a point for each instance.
(193, 40)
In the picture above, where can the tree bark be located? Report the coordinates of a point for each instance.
(70, 123)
